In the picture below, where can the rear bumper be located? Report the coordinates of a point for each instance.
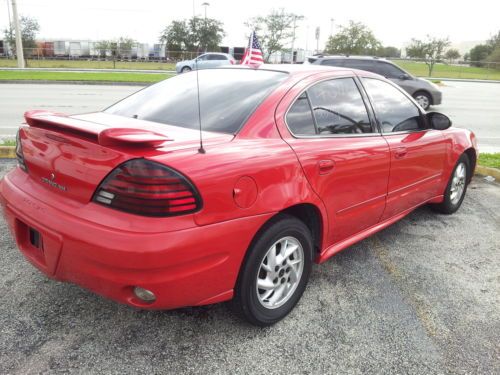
(186, 267)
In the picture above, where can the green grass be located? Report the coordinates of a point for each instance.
(83, 64)
(84, 76)
(449, 71)
(8, 142)
(490, 160)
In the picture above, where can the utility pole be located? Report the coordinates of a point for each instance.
(331, 26)
(19, 39)
(317, 39)
(293, 37)
(205, 4)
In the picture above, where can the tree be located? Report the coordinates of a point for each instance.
(29, 29)
(274, 30)
(389, 52)
(197, 33)
(480, 53)
(354, 39)
(430, 50)
(104, 46)
(452, 54)
(124, 46)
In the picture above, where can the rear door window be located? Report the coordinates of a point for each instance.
(328, 108)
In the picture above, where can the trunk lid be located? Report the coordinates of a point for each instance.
(73, 154)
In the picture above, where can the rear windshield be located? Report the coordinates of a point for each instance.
(227, 98)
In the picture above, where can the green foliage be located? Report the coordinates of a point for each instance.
(490, 160)
(29, 29)
(494, 57)
(274, 31)
(197, 33)
(430, 50)
(354, 39)
(8, 142)
(389, 52)
(480, 53)
(452, 54)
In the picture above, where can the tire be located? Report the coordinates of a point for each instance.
(284, 283)
(456, 185)
(186, 69)
(423, 99)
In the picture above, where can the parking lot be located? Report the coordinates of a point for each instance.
(421, 297)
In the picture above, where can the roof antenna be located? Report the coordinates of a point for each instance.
(201, 150)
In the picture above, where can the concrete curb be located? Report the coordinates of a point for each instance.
(103, 83)
(460, 79)
(487, 171)
(7, 152)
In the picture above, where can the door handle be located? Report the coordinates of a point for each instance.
(400, 152)
(325, 166)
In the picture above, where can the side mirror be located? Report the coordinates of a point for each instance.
(438, 121)
(405, 77)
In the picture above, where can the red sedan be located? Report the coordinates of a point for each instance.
(295, 164)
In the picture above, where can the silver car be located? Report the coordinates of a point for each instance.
(423, 91)
(206, 61)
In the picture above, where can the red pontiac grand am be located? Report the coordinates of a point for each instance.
(297, 163)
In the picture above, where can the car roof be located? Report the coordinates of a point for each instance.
(301, 69)
(340, 57)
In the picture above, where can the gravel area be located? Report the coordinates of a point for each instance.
(421, 297)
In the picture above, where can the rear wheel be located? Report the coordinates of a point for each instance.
(423, 99)
(456, 188)
(275, 272)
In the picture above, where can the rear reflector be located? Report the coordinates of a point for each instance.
(148, 188)
(19, 152)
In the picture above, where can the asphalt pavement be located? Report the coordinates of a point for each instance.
(420, 297)
(473, 105)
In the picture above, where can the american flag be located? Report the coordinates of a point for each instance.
(253, 54)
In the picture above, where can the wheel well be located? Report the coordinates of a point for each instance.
(471, 154)
(311, 217)
(431, 100)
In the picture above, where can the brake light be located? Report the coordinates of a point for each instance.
(231, 61)
(148, 188)
(19, 152)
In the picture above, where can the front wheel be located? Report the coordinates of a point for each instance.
(186, 69)
(456, 188)
(275, 272)
(423, 99)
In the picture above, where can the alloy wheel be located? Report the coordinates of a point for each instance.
(280, 272)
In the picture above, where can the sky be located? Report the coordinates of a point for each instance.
(393, 22)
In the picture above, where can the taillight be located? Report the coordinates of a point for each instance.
(148, 188)
(19, 152)
(232, 61)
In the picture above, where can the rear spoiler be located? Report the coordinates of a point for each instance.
(98, 133)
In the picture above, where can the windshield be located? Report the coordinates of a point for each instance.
(227, 98)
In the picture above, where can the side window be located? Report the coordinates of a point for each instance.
(299, 117)
(389, 70)
(203, 58)
(332, 62)
(368, 65)
(216, 57)
(394, 111)
(339, 108)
